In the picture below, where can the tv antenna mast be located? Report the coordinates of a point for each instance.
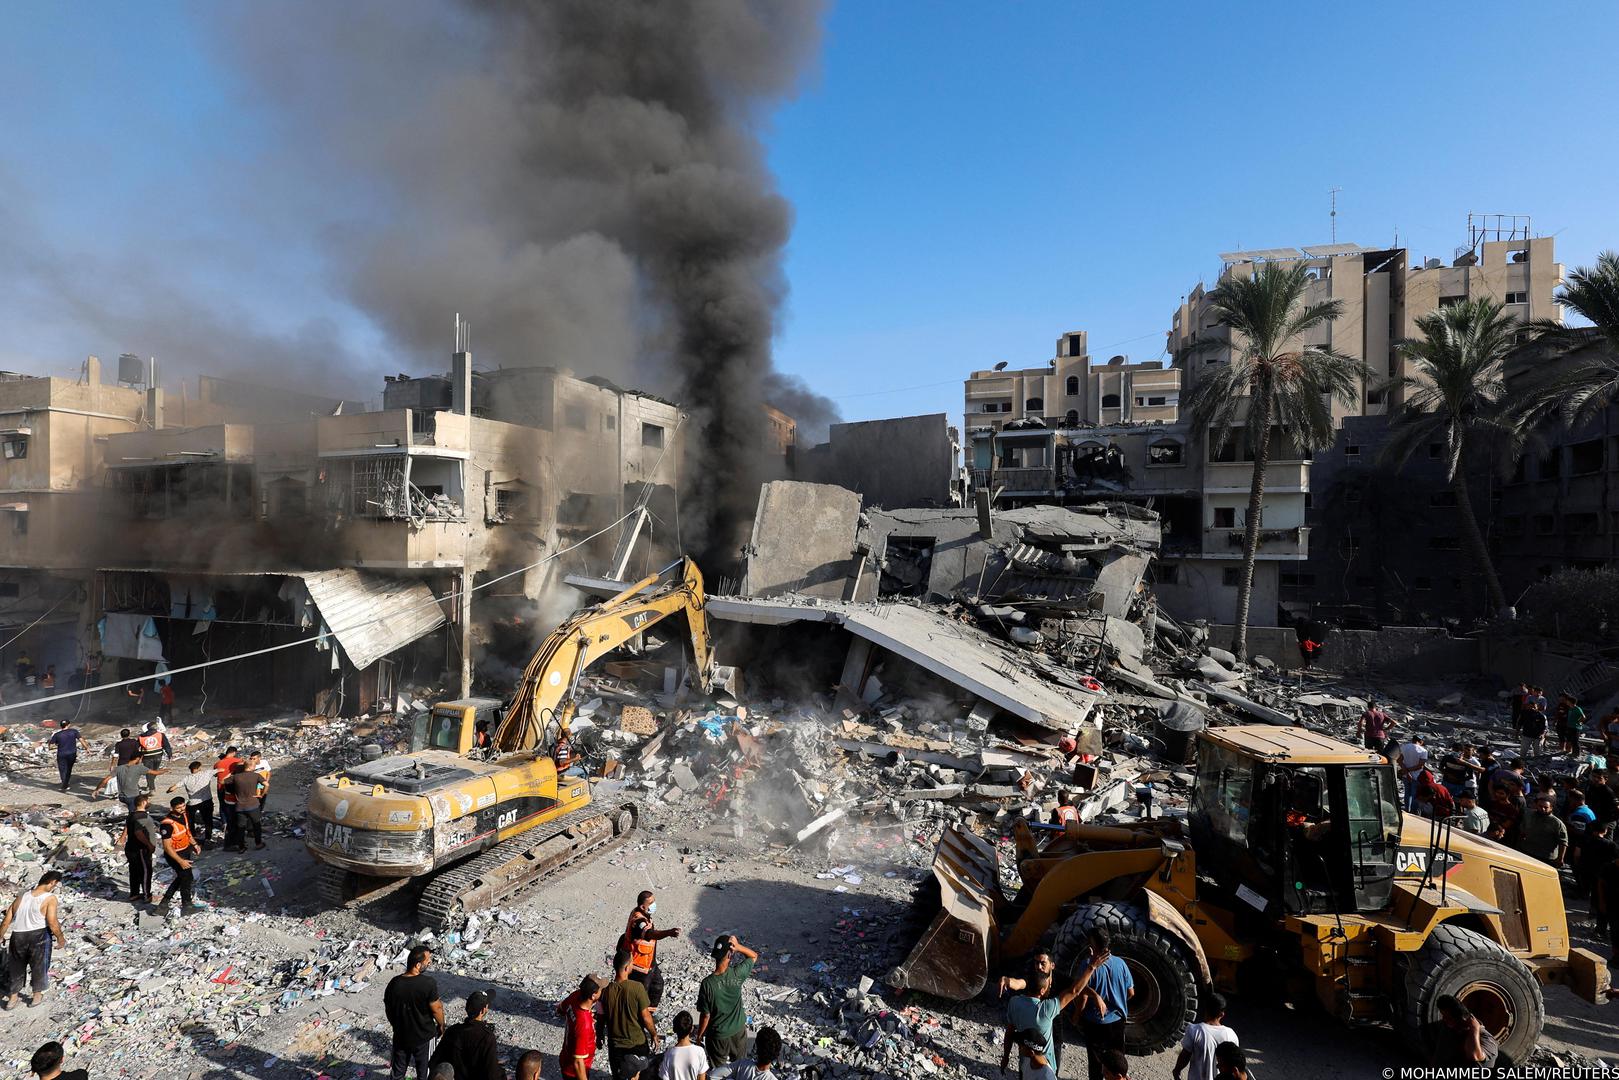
(1333, 195)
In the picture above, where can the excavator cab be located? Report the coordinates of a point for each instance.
(453, 725)
(1310, 836)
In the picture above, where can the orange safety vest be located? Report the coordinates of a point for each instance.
(181, 840)
(643, 951)
(151, 744)
(1066, 814)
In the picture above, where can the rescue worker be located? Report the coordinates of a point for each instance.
(1065, 810)
(154, 748)
(640, 940)
(179, 846)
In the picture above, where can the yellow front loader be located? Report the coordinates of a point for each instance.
(474, 826)
(1296, 872)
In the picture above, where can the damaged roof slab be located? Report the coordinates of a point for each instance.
(960, 654)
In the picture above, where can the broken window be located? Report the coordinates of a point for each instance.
(907, 562)
(511, 504)
(1585, 457)
(1071, 387)
(1442, 498)
(394, 487)
(1225, 517)
(15, 448)
(377, 486)
(1110, 401)
(423, 426)
(652, 435)
(1164, 452)
(1231, 577)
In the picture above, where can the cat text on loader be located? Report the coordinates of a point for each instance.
(1295, 873)
(482, 824)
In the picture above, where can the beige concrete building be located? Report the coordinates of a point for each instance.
(1383, 292)
(1069, 391)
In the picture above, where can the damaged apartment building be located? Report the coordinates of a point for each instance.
(169, 533)
(1072, 433)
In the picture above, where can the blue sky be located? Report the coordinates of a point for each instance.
(969, 180)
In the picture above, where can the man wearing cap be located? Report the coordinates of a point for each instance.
(722, 1025)
(470, 1045)
(579, 1029)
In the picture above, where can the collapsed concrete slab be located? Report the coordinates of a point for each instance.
(958, 653)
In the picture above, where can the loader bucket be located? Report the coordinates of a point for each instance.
(952, 958)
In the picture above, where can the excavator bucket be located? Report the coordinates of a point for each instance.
(952, 958)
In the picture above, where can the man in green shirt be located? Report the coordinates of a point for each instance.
(632, 1031)
(1545, 837)
(723, 1024)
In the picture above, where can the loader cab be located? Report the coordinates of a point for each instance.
(450, 725)
(1288, 821)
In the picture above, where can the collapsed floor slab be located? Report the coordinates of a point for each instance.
(958, 653)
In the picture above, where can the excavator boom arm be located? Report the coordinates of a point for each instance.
(546, 690)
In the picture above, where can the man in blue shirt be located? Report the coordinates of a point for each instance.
(1037, 1011)
(1107, 988)
(66, 741)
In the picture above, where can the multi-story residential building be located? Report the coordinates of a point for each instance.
(1382, 293)
(233, 520)
(1070, 392)
(1356, 568)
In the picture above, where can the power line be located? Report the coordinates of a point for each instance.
(309, 641)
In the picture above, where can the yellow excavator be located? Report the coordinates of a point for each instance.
(481, 824)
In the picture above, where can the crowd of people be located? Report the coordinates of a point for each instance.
(1562, 811)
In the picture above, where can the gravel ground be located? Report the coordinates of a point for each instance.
(816, 936)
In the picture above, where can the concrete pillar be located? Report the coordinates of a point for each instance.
(465, 615)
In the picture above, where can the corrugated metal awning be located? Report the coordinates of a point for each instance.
(371, 615)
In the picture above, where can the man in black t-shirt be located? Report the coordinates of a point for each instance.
(415, 1013)
(46, 1064)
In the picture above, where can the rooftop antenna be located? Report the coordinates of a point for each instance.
(1333, 194)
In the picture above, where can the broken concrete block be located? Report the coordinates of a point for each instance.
(1264, 663)
(1215, 672)
(1222, 657)
(683, 777)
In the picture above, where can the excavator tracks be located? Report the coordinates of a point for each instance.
(522, 862)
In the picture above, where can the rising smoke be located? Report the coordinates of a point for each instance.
(584, 179)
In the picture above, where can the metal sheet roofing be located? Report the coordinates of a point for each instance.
(371, 615)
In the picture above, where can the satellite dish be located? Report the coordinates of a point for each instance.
(1001, 366)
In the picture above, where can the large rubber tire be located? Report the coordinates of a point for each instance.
(1165, 999)
(1490, 981)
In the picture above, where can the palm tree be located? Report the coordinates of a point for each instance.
(1271, 380)
(1590, 380)
(1457, 398)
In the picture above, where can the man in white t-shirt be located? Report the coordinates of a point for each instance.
(1201, 1038)
(1413, 759)
(684, 1061)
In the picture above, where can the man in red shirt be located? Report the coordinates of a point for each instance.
(579, 1036)
(227, 801)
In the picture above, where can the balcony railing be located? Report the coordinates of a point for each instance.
(1043, 478)
(1294, 541)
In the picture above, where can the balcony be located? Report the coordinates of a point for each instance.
(1236, 476)
(1291, 543)
(1012, 481)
